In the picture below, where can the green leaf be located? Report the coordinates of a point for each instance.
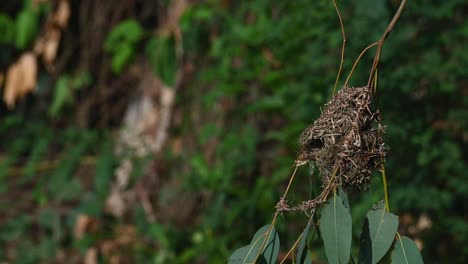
(128, 32)
(269, 252)
(80, 80)
(382, 229)
(62, 95)
(406, 252)
(335, 227)
(26, 22)
(308, 258)
(365, 245)
(7, 29)
(300, 250)
(104, 170)
(121, 43)
(344, 197)
(122, 57)
(37, 152)
(162, 57)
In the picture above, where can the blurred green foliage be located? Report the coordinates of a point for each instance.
(262, 71)
(121, 42)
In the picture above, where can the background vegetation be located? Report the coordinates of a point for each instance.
(89, 86)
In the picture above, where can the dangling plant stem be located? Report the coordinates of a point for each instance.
(358, 59)
(342, 47)
(291, 250)
(290, 182)
(273, 221)
(385, 186)
(311, 218)
(382, 39)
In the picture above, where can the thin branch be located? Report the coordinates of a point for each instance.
(385, 185)
(342, 48)
(290, 182)
(277, 211)
(267, 236)
(292, 248)
(311, 219)
(382, 39)
(358, 59)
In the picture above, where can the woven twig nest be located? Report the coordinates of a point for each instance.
(345, 143)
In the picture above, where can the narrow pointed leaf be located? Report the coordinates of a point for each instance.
(302, 243)
(344, 196)
(269, 252)
(365, 245)
(335, 227)
(382, 230)
(308, 258)
(406, 252)
(271, 247)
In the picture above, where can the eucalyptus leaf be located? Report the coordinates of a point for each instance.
(365, 245)
(267, 254)
(302, 243)
(382, 229)
(336, 227)
(308, 258)
(406, 252)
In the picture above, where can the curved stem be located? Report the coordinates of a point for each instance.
(358, 59)
(291, 250)
(276, 213)
(382, 39)
(311, 218)
(385, 186)
(266, 237)
(342, 47)
(290, 182)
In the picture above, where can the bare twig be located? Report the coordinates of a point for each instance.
(342, 48)
(311, 218)
(357, 60)
(382, 39)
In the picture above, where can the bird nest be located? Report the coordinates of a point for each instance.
(345, 143)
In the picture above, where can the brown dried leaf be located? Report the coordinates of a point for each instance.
(39, 46)
(81, 225)
(62, 14)
(115, 203)
(91, 256)
(51, 44)
(176, 10)
(21, 79)
(424, 222)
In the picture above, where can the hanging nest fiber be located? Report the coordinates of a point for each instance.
(345, 143)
